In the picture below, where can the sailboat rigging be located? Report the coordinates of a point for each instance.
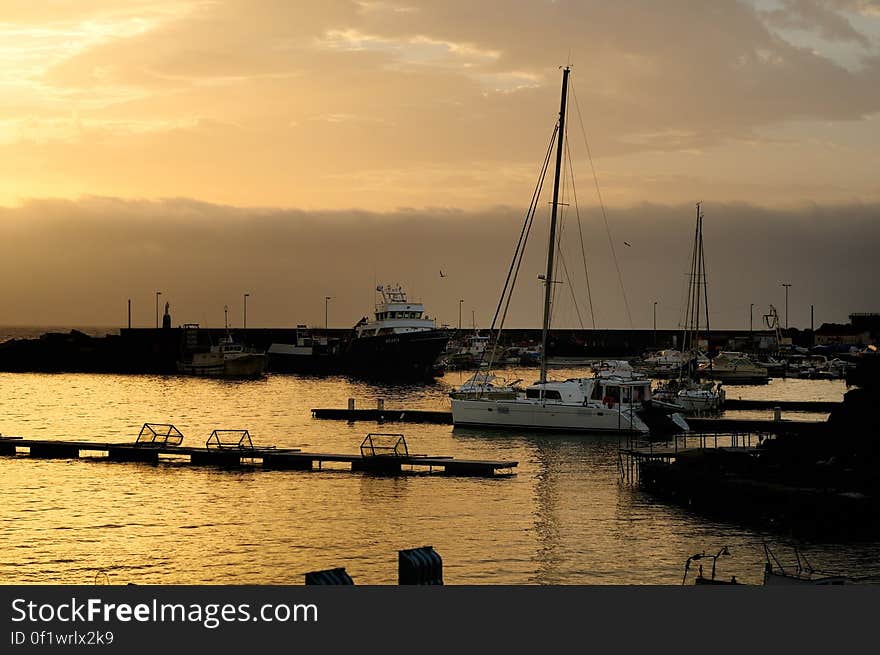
(684, 390)
(615, 400)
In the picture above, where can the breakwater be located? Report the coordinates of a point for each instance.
(157, 350)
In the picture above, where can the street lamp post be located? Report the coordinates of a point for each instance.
(812, 330)
(655, 322)
(751, 313)
(326, 310)
(786, 285)
(245, 310)
(158, 293)
(459, 314)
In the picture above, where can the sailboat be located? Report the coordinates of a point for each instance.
(613, 400)
(684, 390)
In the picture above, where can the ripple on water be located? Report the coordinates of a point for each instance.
(563, 519)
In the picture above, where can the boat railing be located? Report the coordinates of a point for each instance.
(708, 440)
(159, 434)
(226, 439)
(383, 444)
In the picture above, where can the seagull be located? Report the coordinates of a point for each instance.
(627, 243)
(442, 274)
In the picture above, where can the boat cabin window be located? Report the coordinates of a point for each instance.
(549, 394)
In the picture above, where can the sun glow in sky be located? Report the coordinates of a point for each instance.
(396, 103)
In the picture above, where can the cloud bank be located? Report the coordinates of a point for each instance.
(69, 262)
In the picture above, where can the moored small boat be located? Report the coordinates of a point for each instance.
(226, 359)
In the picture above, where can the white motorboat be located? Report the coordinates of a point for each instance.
(734, 367)
(487, 385)
(692, 397)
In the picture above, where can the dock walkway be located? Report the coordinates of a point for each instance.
(269, 458)
(698, 424)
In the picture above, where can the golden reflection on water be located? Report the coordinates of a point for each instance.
(565, 518)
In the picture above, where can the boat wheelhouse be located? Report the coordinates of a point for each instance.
(395, 314)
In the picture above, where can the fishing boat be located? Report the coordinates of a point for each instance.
(613, 401)
(400, 342)
(226, 359)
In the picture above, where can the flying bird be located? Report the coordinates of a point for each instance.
(627, 243)
(442, 274)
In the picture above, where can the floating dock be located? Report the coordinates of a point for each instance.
(744, 425)
(389, 415)
(698, 424)
(818, 406)
(372, 458)
(634, 454)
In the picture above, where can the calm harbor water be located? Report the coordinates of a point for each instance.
(564, 518)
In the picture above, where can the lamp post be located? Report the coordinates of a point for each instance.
(326, 315)
(655, 322)
(751, 312)
(158, 293)
(812, 330)
(786, 285)
(460, 301)
(245, 310)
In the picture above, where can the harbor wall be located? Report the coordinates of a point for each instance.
(156, 350)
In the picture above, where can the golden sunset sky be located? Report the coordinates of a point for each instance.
(294, 115)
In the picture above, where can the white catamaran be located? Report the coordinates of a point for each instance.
(614, 400)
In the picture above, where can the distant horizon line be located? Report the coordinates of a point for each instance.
(792, 205)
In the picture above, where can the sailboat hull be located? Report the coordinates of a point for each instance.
(518, 414)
